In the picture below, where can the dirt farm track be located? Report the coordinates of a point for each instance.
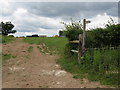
(37, 70)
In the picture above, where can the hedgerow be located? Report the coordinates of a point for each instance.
(100, 64)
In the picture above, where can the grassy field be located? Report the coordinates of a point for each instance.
(53, 43)
(6, 39)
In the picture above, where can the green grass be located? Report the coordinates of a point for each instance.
(98, 62)
(6, 39)
(30, 49)
(6, 57)
(70, 64)
(53, 43)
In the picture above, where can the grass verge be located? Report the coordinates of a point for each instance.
(6, 57)
(30, 49)
(56, 44)
(6, 39)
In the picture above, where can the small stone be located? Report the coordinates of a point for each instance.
(58, 83)
(56, 65)
(60, 73)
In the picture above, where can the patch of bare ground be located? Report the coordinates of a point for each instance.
(37, 70)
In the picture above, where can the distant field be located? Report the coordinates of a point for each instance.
(53, 43)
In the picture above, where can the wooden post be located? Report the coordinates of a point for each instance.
(84, 27)
(81, 42)
(80, 47)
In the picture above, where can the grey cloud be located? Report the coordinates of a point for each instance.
(25, 28)
(8, 10)
(63, 9)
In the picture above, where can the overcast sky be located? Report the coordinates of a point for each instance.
(45, 17)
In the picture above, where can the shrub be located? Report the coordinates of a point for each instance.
(102, 63)
(100, 37)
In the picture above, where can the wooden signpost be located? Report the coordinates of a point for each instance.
(80, 42)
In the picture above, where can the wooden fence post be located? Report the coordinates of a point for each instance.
(80, 47)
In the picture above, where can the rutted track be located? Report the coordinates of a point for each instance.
(37, 70)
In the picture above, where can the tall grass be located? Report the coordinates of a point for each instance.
(6, 39)
(102, 65)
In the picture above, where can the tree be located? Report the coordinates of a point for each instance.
(72, 30)
(7, 28)
(62, 33)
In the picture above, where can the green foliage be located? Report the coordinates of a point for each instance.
(11, 35)
(102, 65)
(6, 56)
(99, 65)
(69, 64)
(53, 43)
(73, 34)
(0, 38)
(6, 39)
(79, 76)
(100, 37)
(30, 49)
(7, 28)
(72, 30)
(61, 33)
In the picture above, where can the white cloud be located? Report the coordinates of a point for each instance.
(49, 32)
(100, 20)
(27, 23)
(20, 11)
